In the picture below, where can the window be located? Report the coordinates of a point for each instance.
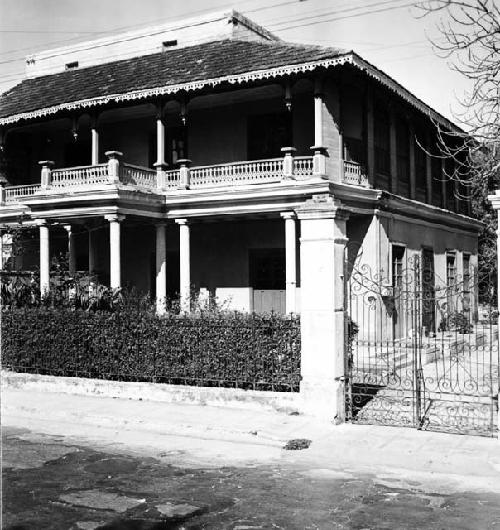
(398, 254)
(168, 44)
(382, 141)
(267, 134)
(451, 279)
(267, 268)
(466, 281)
(71, 66)
(437, 185)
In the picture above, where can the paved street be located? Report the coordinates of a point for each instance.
(52, 482)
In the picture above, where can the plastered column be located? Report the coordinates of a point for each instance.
(115, 277)
(322, 247)
(161, 268)
(291, 262)
(185, 265)
(495, 201)
(44, 258)
(94, 132)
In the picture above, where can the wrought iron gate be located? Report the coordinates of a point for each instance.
(421, 352)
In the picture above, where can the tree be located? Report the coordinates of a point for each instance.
(469, 37)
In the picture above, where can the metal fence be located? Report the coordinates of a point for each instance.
(422, 352)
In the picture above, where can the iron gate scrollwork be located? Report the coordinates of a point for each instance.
(421, 352)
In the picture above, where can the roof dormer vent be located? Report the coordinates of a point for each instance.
(168, 44)
(71, 66)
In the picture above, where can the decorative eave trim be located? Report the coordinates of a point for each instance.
(349, 58)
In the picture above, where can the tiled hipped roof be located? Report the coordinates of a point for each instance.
(189, 68)
(178, 66)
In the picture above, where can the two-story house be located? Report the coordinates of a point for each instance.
(189, 155)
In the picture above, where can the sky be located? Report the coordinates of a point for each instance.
(388, 33)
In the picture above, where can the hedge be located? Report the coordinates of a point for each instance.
(127, 344)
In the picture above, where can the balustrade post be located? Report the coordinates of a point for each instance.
(46, 171)
(161, 177)
(184, 173)
(113, 165)
(288, 168)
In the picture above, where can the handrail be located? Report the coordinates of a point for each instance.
(13, 193)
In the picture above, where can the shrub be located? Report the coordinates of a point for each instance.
(132, 343)
(456, 321)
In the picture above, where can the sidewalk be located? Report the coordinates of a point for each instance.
(216, 436)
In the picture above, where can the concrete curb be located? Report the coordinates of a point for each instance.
(286, 402)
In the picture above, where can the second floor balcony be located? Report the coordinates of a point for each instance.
(161, 181)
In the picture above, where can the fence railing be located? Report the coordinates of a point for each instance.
(138, 176)
(79, 176)
(199, 177)
(15, 193)
(354, 173)
(237, 173)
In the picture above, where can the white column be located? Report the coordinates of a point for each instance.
(95, 143)
(160, 140)
(291, 262)
(115, 280)
(185, 266)
(44, 258)
(71, 249)
(319, 159)
(322, 248)
(161, 268)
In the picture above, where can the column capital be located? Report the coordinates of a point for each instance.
(46, 163)
(68, 228)
(41, 222)
(113, 154)
(182, 221)
(322, 206)
(288, 215)
(114, 217)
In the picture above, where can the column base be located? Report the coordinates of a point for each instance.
(323, 398)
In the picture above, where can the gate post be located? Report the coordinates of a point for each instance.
(322, 246)
(495, 201)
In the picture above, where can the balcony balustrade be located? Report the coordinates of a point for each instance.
(355, 174)
(201, 177)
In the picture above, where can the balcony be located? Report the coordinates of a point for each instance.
(161, 182)
(355, 174)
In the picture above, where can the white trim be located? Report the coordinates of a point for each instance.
(349, 58)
